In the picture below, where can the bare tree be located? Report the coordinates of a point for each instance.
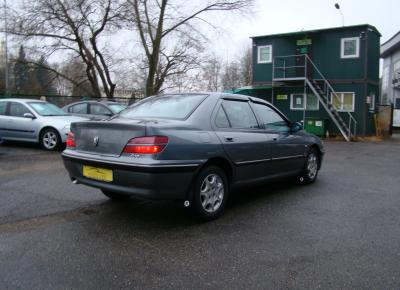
(211, 73)
(238, 73)
(246, 67)
(73, 25)
(66, 78)
(168, 31)
(231, 78)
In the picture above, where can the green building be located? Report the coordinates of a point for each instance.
(330, 75)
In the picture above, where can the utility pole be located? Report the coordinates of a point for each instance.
(6, 49)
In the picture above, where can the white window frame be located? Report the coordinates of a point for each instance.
(357, 54)
(372, 105)
(259, 54)
(341, 94)
(304, 103)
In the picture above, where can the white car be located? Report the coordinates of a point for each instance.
(34, 121)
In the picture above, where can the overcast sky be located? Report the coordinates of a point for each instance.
(278, 16)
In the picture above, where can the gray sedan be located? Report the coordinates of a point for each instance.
(190, 147)
(34, 121)
(94, 110)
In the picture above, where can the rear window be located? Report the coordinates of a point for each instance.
(116, 108)
(3, 106)
(167, 106)
(240, 114)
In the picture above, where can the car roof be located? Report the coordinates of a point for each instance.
(228, 96)
(22, 100)
(93, 101)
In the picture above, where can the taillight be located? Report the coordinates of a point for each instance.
(71, 140)
(146, 145)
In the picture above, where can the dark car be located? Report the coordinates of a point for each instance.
(94, 110)
(190, 147)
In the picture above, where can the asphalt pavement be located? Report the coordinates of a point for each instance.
(343, 232)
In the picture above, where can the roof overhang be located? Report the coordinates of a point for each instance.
(250, 89)
(391, 45)
(302, 32)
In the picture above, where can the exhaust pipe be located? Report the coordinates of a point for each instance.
(74, 181)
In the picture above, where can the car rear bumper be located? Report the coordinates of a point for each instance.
(163, 182)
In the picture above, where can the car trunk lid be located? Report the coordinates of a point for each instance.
(106, 137)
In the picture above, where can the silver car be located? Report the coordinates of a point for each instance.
(34, 121)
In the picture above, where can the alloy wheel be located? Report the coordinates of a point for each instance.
(50, 140)
(312, 166)
(212, 192)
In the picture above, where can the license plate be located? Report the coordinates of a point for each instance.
(97, 173)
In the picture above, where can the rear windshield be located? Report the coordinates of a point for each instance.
(116, 108)
(166, 106)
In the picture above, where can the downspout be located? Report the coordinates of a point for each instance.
(365, 106)
(273, 74)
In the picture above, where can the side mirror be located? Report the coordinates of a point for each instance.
(295, 127)
(29, 116)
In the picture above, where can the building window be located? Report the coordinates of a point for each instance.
(265, 54)
(350, 47)
(396, 70)
(343, 102)
(385, 78)
(372, 100)
(298, 102)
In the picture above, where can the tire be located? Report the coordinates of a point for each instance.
(310, 169)
(210, 193)
(50, 139)
(115, 196)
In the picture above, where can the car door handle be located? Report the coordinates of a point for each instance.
(229, 139)
(275, 138)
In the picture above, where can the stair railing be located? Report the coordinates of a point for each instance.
(329, 89)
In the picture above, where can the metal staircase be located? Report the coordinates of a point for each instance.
(302, 68)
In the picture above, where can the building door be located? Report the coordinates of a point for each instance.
(303, 47)
(396, 113)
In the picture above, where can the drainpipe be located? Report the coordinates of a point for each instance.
(6, 79)
(365, 108)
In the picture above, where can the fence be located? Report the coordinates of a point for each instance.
(383, 120)
(62, 101)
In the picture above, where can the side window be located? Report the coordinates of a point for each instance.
(3, 107)
(397, 103)
(298, 101)
(343, 102)
(271, 119)
(240, 114)
(264, 54)
(97, 109)
(18, 110)
(78, 109)
(350, 47)
(221, 120)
